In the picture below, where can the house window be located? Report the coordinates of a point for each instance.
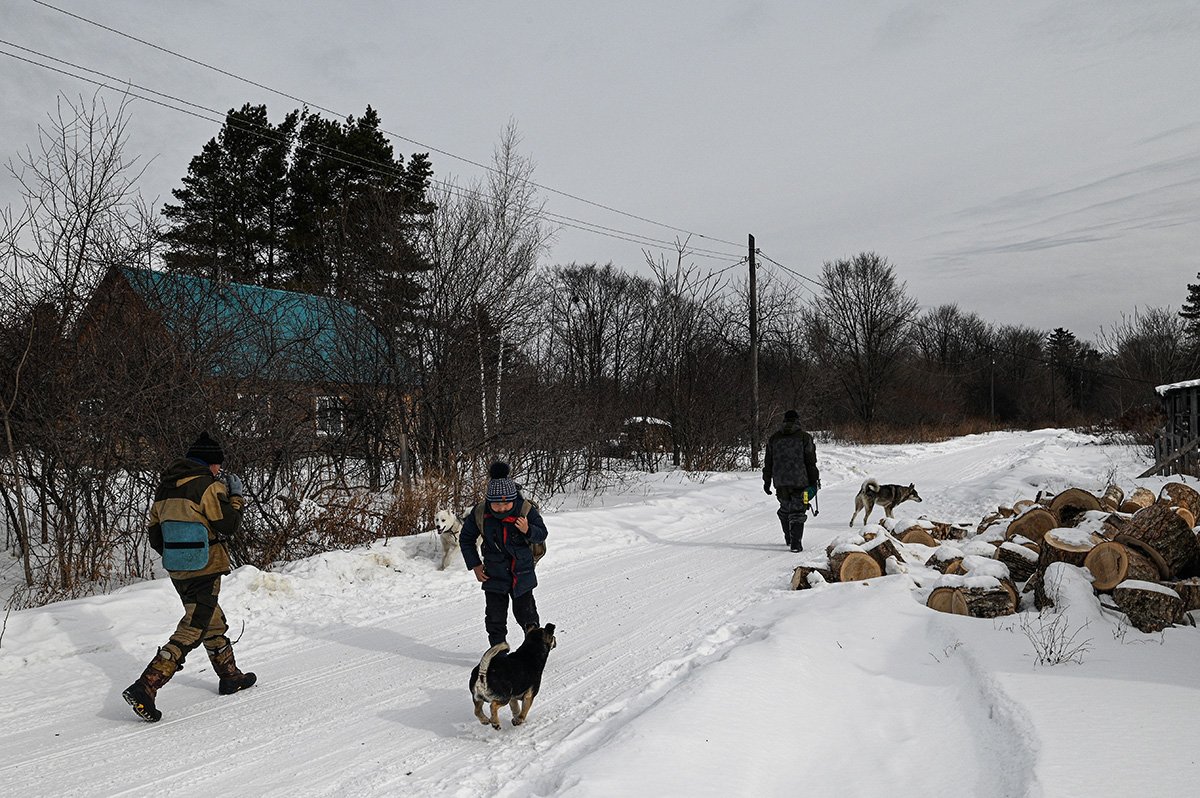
(331, 415)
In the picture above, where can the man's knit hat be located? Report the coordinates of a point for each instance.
(791, 415)
(500, 488)
(207, 450)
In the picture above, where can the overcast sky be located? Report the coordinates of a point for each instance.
(1035, 162)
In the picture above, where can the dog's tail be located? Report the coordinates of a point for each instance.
(481, 685)
(870, 486)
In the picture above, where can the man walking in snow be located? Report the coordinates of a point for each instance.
(791, 462)
(509, 527)
(193, 515)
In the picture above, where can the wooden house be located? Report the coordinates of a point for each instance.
(281, 362)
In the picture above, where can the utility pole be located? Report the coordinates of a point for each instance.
(753, 360)
(992, 375)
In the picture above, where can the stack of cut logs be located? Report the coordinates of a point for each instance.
(1141, 549)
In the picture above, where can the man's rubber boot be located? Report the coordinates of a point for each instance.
(141, 694)
(232, 679)
(787, 530)
(797, 536)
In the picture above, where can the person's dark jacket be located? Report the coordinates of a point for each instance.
(507, 556)
(189, 492)
(791, 458)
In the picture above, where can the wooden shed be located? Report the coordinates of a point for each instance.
(1175, 446)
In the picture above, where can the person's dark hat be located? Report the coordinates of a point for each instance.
(500, 488)
(207, 450)
(791, 415)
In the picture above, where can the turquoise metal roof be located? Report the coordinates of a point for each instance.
(266, 332)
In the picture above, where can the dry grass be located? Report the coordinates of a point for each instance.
(932, 432)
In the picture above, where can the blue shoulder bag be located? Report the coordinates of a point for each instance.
(185, 545)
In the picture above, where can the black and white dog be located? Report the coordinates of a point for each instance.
(886, 496)
(512, 678)
(448, 526)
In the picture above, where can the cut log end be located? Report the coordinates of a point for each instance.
(1032, 524)
(947, 599)
(1112, 563)
(918, 535)
(856, 566)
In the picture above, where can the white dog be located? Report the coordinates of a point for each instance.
(448, 526)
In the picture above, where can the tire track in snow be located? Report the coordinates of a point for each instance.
(1003, 727)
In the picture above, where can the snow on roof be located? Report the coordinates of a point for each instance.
(647, 420)
(1162, 389)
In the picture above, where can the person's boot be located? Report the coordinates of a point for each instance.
(227, 671)
(797, 536)
(141, 694)
(787, 530)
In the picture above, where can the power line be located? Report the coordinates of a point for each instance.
(335, 154)
(397, 136)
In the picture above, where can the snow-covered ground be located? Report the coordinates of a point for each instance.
(685, 665)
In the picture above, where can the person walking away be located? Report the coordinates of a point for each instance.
(508, 527)
(791, 463)
(197, 507)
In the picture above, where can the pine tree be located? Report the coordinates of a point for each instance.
(1067, 355)
(311, 204)
(228, 222)
(1191, 312)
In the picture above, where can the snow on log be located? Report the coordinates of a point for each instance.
(989, 521)
(1149, 606)
(1066, 545)
(1111, 563)
(1139, 499)
(1021, 560)
(1168, 534)
(803, 576)
(1112, 498)
(1070, 504)
(1032, 524)
(990, 603)
(945, 559)
(881, 548)
(1064, 586)
(1023, 505)
(977, 596)
(1069, 546)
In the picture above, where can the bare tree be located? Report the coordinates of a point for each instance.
(859, 327)
(483, 295)
(1148, 347)
(79, 215)
(687, 350)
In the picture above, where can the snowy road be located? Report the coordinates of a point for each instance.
(684, 665)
